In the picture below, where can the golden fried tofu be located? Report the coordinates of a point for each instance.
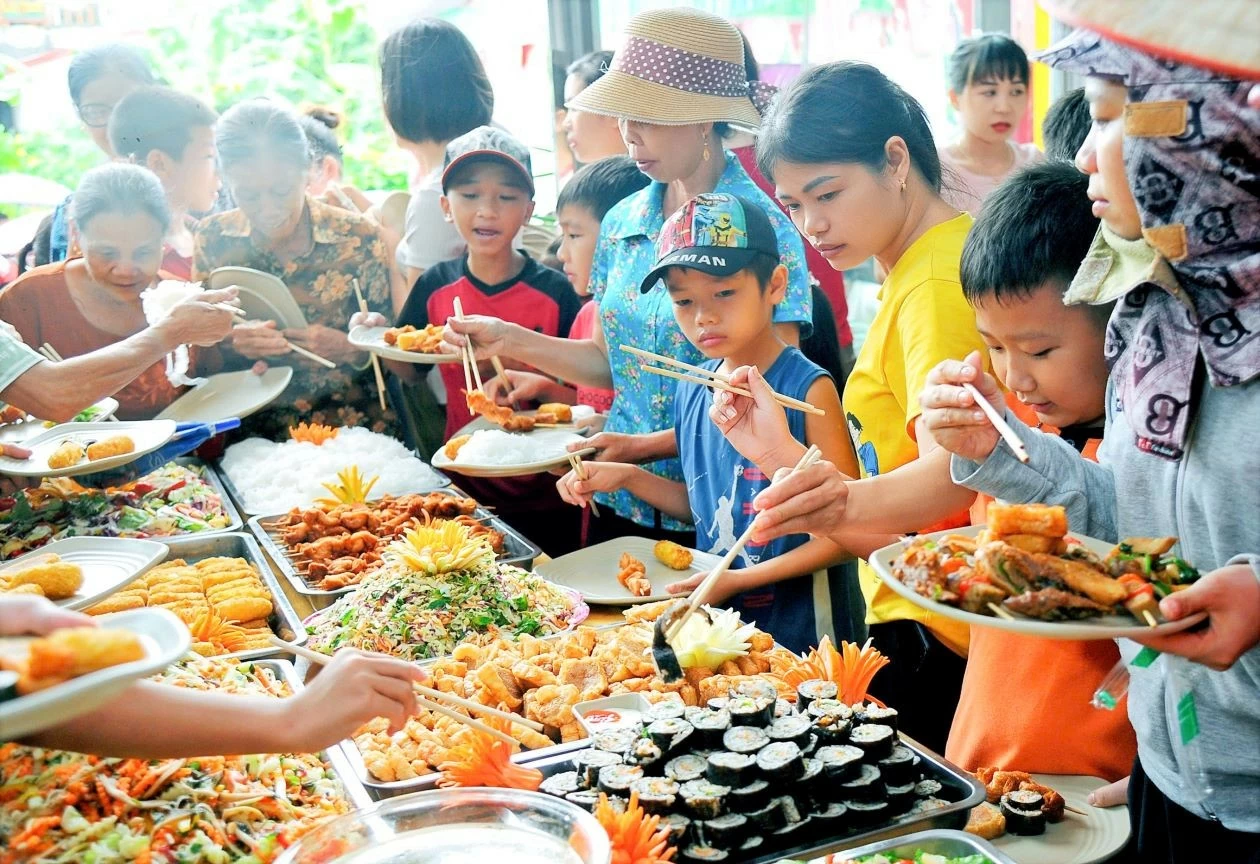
(57, 579)
(117, 445)
(586, 675)
(67, 455)
(500, 684)
(530, 675)
(76, 651)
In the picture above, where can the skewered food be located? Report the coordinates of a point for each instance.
(998, 783)
(72, 653)
(48, 575)
(68, 454)
(672, 555)
(108, 448)
(633, 576)
(425, 340)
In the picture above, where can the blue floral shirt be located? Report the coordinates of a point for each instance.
(624, 254)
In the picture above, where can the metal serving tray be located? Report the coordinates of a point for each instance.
(957, 786)
(212, 478)
(284, 620)
(938, 841)
(516, 549)
(239, 500)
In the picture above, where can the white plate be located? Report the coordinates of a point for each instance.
(16, 433)
(165, 640)
(373, 339)
(231, 394)
(1095, 836)
(264, 297)
(548, 440)
(147, 435)
(108, 563)
(593, 571)
(1103, 627)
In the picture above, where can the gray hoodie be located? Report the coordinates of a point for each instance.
(1210, 498)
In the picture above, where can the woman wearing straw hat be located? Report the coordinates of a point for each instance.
(675, 85)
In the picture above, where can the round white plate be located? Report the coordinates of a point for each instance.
(231, 394)
(165, 640)
(373, 339)
(16, 433)
(264, 297)
(1095, 836)
(108, 564)
(1103, 627)
(147, 435)
(593, 571)
(548, 441)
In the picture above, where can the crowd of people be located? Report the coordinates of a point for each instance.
(1103, 295)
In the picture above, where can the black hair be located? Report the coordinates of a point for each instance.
(845, 112)
(98, 61)
(1036, 228)
(119, 188)
(990, 56)
(600, 185)
(156, 118)
(36, 253)
(1066, 125)
(319, 124)
(432, 82)
(590, 67)
(822, 346)
(259, 127)
(464, 173)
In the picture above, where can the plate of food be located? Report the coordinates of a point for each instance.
(70, 449)
(230, 394)
(16, 425)
(405, 344)
(72, 671)
(1024, 573)
(627, 570)
(519, 444)
(79, 571)
(263, 297)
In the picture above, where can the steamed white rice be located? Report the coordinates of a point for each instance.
(275, 477)
(496, 447)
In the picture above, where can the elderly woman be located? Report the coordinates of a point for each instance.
(668, 122)
(86, 304)
(316, 250)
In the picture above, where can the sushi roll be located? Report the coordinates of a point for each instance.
(877, 716)
(656, 794)
(584, 798)
(588, 762)
(751, 845)
(793, 727)
(758, 688)
(832, 728)
(747, 799)
(812, 771)
(730, 769)
(703, 799)
(718, 703)
(900, 767)
(865, 813)
(561, 784)
(615, 740)
(670, 733)
(927, 788)
(745, 739)
(700, 853)
(788, 835)
(791, 813)
(865, 787)
(769, 817)
(781, 762)
(783, 708)
(814, 689)
(646, 755)
(830, 820)
(812, 747)
(678, 826)
(751, 711)
(833, 707)
(1024, 816)
(840, 762)
(710, 727)
(876, 741)
(691, 712)
(725, 831)
(617, 779)
(900, 798)
(666, 709)
(927, 805)
(689, 766)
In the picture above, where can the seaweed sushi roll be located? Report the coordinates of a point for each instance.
(647, 755)
(876, 741)
(901, 766)
(770, 817)
(789, 832)
(584, 798)
(670, 733)
(1023, 811)
(811, 770)
(792, 727)
(751, 844)
(783, 708)
(589, 761)
(927, 788)
(689, 766)
(814, 689)
(751, 711)
(877, 716)
(699, 853)
(832, 728)
(748, 798)
(791, 812)
(678, 826)
(832, 707)
(710, 726)
(702, 798)
(831, 819)
(927, 805)
(840, 761)
(615, 740)
(781, 761)
(617, 779)
(718, 703)
(865, 787)
(725, 831)
(666, 709)
(656, 794)
(900, 798)
(864, 813)
(730, 769)
(561, 784)
(758, 688)
(745, 739)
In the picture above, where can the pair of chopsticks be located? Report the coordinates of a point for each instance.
(471, 372)
(812, 455)
(363, 307)
(50, 353)
(716, 380)
(431, 702)
(1004, 429)
(580, 470)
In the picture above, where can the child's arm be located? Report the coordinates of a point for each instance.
(579, 361)
(668, 496)
(808, 558)
(522, 386)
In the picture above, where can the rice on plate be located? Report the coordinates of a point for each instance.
(496, 447)
(273, 477)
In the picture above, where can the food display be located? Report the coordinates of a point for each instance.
(71, 653)
(1025, 563)
(45, 575)
(176, 499)
(239, 808)
(426, 340)
(632, 575)
(1015, 804)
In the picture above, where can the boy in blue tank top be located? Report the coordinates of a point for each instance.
(720, 263)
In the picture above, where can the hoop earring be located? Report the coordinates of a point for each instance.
(705, 155)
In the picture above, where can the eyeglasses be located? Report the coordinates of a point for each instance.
(95, 115)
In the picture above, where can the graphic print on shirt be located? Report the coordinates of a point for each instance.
(867, 457)
(723, 531)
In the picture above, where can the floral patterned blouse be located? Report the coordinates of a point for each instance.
(346, 247)
(624, 254)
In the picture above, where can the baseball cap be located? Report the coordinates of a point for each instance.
(486, 143)
(714, 233)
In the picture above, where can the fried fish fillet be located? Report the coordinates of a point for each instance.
(57, 579)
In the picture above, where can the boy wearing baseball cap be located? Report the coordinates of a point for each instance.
(719, 260)
(488, 194)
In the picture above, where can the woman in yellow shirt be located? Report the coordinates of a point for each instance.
(853, 160)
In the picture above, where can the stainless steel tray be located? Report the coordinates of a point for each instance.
(516, 549)
(938, 841)
(957, 786)
(284, 620)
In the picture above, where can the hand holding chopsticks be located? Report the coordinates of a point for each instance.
(376, 361)
(471, 372)
(580, 470)
(999, 423)
(708, 378)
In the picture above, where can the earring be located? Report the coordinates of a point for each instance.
(903, 187)
(705, 155)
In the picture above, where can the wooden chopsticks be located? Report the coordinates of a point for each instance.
(708, 378)
(812, 455)
(50, 353)
(376, 361)
(999, 423)
(469, 358)
(580, 470)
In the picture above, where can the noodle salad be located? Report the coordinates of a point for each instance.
(59, 807)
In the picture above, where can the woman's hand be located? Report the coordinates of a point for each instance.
(757, 428)
(257, 339)
(198, 321)
(950, 412)
(810, 501)
(489, 335)
(28, 615)
(354, 688)
(1111, 795)
(521, 386)
(328, 343)
(1231, 598)
(726, 587)
(611, 447)
(600, 477)
(368, 319)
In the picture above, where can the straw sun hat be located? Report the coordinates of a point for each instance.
(676, 67)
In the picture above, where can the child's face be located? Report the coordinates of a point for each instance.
(1102, 158)
(192, 181)
(1049, 355)
(579, 229)
(488, 207)
(991, 109)
(723, 315)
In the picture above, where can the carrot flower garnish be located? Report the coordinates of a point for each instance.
(634, 834)
(480, 760)
(851, 668)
